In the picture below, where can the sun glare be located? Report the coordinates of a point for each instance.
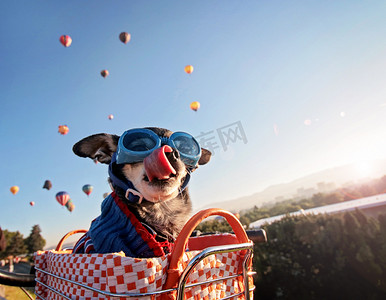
(364, 168)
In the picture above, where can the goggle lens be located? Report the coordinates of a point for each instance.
(139, 141)
(186, 145)
(135, 144)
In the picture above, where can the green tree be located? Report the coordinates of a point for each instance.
(323, 257)
(217, 225)
(3, 242)
(35, 241)
(15, 244)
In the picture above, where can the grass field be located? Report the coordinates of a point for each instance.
(15, 293)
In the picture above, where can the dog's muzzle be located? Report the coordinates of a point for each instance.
(131, 193)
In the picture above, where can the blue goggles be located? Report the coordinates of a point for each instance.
(135, 144)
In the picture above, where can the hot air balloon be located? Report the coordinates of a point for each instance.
(68, 203)
(188, 69)
(62, 198)
(87, 188)
(70, 206)
(105, 195)
(124, 37)
(104, 73)
(65, 40)
(32, 203)
(63, 129)
(47, 185)
(195, 105)
(111, 117)
(14, 189)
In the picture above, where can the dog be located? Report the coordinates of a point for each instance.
(149, 170)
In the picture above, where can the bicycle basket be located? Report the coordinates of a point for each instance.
(213, 267)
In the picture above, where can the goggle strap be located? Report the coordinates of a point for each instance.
(131, 193)
(186, 182)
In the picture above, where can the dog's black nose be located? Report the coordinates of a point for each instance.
(173, 156)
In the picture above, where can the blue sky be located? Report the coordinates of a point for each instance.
(304, 80)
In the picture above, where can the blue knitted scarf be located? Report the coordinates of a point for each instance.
(117, 229)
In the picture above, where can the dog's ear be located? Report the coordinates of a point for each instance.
(98, 147)
(205, 156)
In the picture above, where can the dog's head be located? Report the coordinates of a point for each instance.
(156, 161)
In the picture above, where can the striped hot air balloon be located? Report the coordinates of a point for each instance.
(62, 198)
(65, 40)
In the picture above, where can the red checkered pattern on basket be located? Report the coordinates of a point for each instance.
(214, 267)
(83, 268)
(107, 272)
(40, 262)
(116, 273)
(127, 274)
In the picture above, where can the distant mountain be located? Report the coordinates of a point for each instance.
(323, 181)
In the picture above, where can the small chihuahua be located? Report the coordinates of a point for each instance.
(149, 170)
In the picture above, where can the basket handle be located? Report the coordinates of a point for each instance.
(182, 240)
(60, 244)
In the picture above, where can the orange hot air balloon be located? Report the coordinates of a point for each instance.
(65, 40)
(195, 105)
(63, 129)
(14, 189)
(32, 203)
(125, 37)
(111, 117)
(105, 73)
(188, 69)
